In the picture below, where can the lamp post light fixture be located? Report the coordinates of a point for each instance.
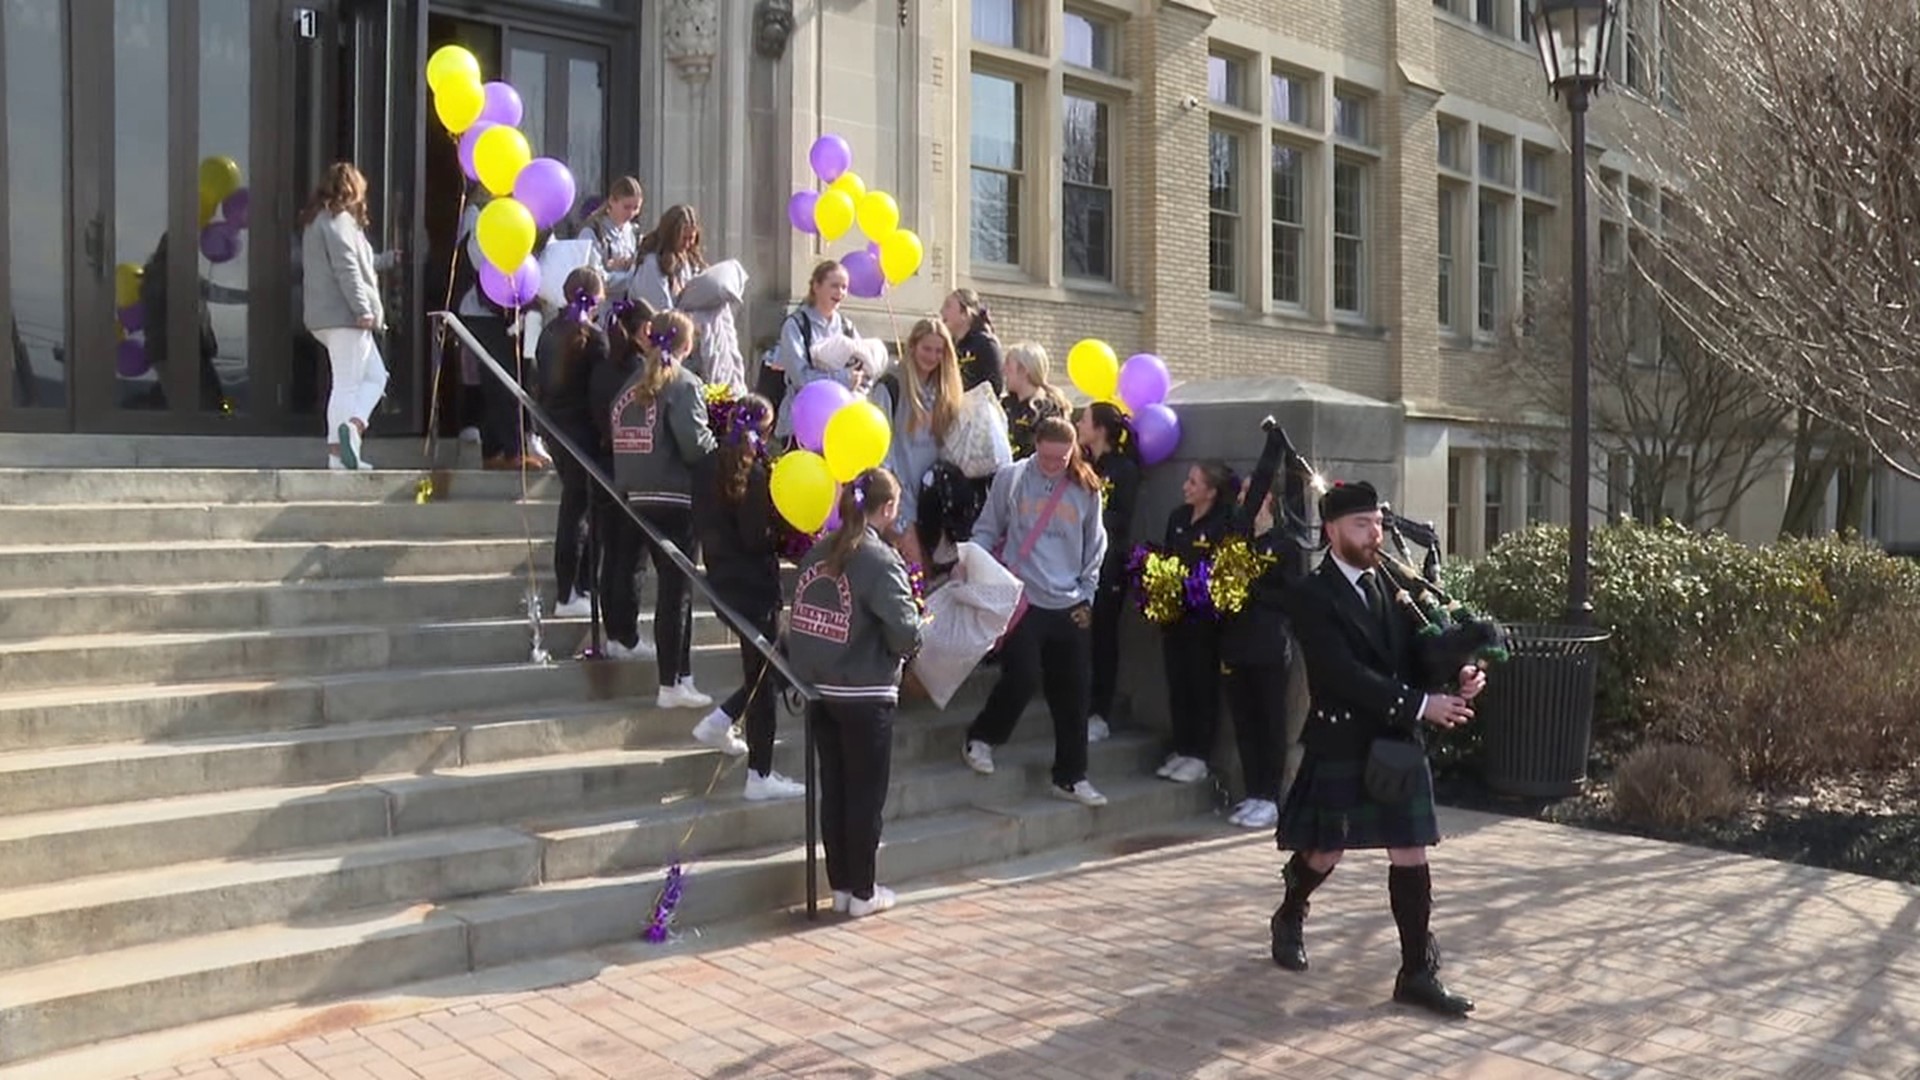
(1574, 37)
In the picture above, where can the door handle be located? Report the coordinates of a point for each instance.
(96, 244)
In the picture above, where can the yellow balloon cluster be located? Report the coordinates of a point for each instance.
(507, 229)
(847, 202)
(805, 485)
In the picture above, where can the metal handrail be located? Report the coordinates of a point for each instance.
(738, 623)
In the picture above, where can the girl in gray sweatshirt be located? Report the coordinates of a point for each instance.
(1043, 518)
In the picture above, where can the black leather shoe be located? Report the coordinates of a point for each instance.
(1289, 940)
(1424, 989)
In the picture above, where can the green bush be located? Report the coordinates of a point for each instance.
(1667, 593)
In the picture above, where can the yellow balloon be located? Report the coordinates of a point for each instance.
(208, 204)
(458, 103)
(900, 255)
(879, 215)
(802, 489)
(452, 62)
(850, 183)
(833, 214)
(219, 178)
(506, 233)
(857, 438)
(498, 156)
(1094, 368)
(126, 284)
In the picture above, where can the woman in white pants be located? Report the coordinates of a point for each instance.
(343, 309)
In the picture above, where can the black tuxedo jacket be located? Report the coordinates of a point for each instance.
(1361, 669)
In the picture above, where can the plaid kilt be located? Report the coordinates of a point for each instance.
(1328, 809)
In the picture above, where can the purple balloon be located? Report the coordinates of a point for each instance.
(1156, 430)
(235, 208)
(833, 515)
(873, 249)
(511, 291)
(864, 276)
(800, 210)
(503, 105)
(130, 360)
(219, 242)
(133, 318)
(468, 140)
(813, 407)
(546, 187)
(830, 157)
(1144, 381)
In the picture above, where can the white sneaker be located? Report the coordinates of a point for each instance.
(1259, 814)
(1166, 767)
(537, 446)
(1189, 770)
(716, 730)
(691, 693)
(639, 650)
(334, 464)
(470, 434)
(1239, 812)
(577, 606)
(883, 900)
(772, 786)
(1082, 793)
(365, 465)
(1097, 729)
(841, 898)
(678, 697)
(978, 756)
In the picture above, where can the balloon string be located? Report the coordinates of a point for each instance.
(430, 445)
(526, 522)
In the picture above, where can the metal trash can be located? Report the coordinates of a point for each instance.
(1537, 710)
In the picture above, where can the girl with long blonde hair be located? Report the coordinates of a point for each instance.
(921, 398)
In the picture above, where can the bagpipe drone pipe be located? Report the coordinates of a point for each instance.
(1448, 635)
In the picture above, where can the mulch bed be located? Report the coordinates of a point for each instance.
(1860, 824)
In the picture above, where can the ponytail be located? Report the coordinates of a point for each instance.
(866, 493)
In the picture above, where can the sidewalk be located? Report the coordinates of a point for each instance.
(1590, 955)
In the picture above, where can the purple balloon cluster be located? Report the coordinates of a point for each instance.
(1143, 387)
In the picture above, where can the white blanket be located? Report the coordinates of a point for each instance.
(965, 617)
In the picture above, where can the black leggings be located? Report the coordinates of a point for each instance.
(854, 742)
(1192, 653)
(573, 572)
(673, 600)
(1109, 601)
(755, 703)
(1257, 697)
(1046, 651)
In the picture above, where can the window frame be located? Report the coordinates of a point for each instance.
(1021, 196)
(1082, 92)
(1235, 214)
(1364, 170)
(1304, 162)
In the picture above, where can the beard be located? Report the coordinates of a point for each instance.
(1360, 556)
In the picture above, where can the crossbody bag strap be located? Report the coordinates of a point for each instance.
(1040, 525)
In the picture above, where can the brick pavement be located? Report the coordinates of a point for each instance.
(1591, 955)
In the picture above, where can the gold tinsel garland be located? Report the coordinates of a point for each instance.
(1236, 566)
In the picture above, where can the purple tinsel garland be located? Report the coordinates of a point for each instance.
(663, 907)
(1199, 590)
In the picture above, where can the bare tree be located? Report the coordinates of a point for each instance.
(1697, 436)
(1795, 142)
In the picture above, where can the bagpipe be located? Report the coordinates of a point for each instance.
(1448, 634)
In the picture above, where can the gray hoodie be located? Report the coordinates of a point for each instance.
(656, 444)
(850, 632)
(339, 274)
(1063, 569)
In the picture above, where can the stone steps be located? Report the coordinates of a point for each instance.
(201, 562)
(312, 522)
(125, 991)
(94, 487)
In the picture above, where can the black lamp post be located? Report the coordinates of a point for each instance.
(1573, 36)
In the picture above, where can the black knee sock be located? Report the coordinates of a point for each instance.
(1410, 891)
(1301, 880)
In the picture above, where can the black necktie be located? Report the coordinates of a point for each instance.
(1370, 587)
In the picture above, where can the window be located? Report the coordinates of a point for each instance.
(1453, 503)
(1487, 13)
(1086, 191)
(1449, 209)
(1226, 79)
(1612, 252)
(1291, 100)
(1533, 255)
(1487, 320)
(1539, 468)
(1496, 484)
(1349, 116)
(1002, 22)
(997, 162)
(1451, 150)
(1495, 166)
(1635, 23)
(1526, 21)
(1534, 172)
(1223, 212)
(1088, 42)
(1289, 224)
(1349, 237)
(1641, 205)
